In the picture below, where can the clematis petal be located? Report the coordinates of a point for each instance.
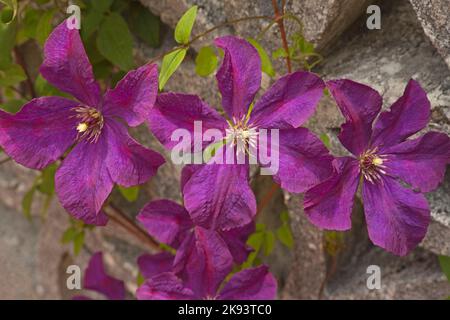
(178, 111)
(98, 280)
(408, 115)
(239, 76)
(250, 284)
(420, 162)
(218, 196)
(165, 286)
(40, 132)
(397, 218)
(289, 102)
(203, 261)
(133, 96)
(165, 220)
(153, 264)
(128, 162)
(329, 204)
(83, 182)
(236, 240)
(360, 105)
(67, 67)
(303, 160)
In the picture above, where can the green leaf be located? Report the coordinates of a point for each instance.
(69, 235)
(144, 24)
(170, 64)
(284, 234)
(44, 26)
(211, 149)
(12, 75)
(27, 202)
(13, 105)
(269, 242)
(101, 5)
(131, 193)
(91, 22)
(115, 43)
(326, 140)
(140, 279)
(12, 5)
(7, 42)
(28, 25)
(256, 240)
(206, 61)
(281, 53)
(47, 180)
(78, 242)
(184, 26)
(266, 64)
(444, 261)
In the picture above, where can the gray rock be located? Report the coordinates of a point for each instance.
(435, 19)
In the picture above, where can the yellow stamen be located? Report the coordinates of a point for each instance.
(82, 127)
(377, 161)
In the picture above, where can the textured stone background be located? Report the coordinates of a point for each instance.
(413, 42)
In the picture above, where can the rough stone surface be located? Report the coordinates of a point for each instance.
(435, 19)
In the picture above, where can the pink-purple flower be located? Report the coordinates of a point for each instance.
(385, 160)
(218, 195)
(96, 279)
(103, 153)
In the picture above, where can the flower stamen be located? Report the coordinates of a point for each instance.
(90, 123)
(372, 165)
(242, 135)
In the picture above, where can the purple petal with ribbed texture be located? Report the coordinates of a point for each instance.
(83, 182)
(329, 204)
(165, 286)
(166, 220)
(303, 160)
(153, 264)
(360, 105)
(218, 196)
(250, 284)
(129, 163)
(203, 261)
(408, 115)
(289, 102)
(420, 162)
(67, 67)
(239, 76)
(40, 132)
(397, 218)
(178, 111)
(236, 240)
(96, 278)
(133, 96)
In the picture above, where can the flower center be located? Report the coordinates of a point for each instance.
(372, 165)
(90, 123)
(242, 135)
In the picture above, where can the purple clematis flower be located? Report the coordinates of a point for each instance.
(218, 195)
(170, 223)
(96, 279)
(397, 217)
(206, 263)
(103, 153)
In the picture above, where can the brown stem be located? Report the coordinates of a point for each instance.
(4, 160)
(280, 21)
(120, 218)
(267, 197)
(22, 63)
(330, 272)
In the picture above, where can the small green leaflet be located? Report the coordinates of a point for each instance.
(444, 261)
(206, 61)
(130, 194)
(144, 24)
(326, 140)
(284, 233)
(266, 64)
(27, 201)
(101, 5)
(115, 43)
(170, 64)
(44, 26)
(12, 75)
(184, 26)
